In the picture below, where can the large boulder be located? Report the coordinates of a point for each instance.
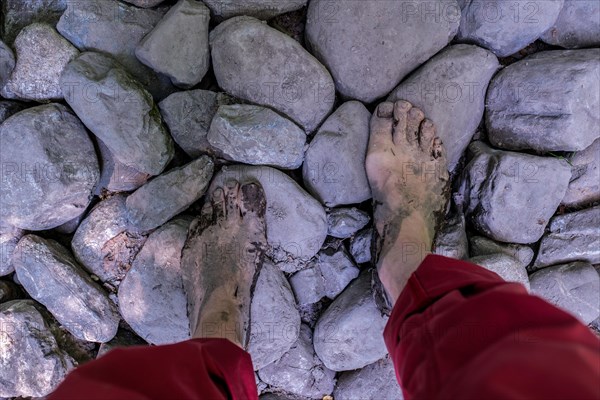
(574, 287)
(334, 167)
(50, 275)
(370, 46)
(42, 54)
(260, 64)
(32, 363)
(104, 242)
(506, 26)
(528, 110)
(450, 88)
(49, 167)
(168, 194)
(117, 109)
(151, 297)
(577, 25)
(188, 115)
(186, 24)
(571, 237)
(275, 321)
(375, 381)
(299, 371)
(296, 222)
(115, 28)
(584, 187)
(263, 9)
(510, 196)
(7, 63)
(355, 320)
(257, 135)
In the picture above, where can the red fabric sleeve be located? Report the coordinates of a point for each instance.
(195, 369)
(459, 331)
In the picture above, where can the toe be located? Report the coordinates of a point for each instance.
(232, 188)
(217, 203)
(415, 117)
(426, 134)
(381, 126)
(253, 199)
(437, 150)
(401, 109)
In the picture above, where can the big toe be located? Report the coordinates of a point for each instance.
(401, 110)
(413, 124)
(232, 195)
(382, 122)
(253, 200)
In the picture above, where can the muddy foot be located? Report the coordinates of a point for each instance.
(406, 167)
(220, 260)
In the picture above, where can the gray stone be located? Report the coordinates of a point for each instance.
(360, 246)
(169, 194)
(328, 276)
(511, 196)
(49, 167)
(482, 246)
(42, 54)
(123, 338)
(260, 385)
(274, 71)
(300, 371)
(506, 26)
(345, 222)
(578, 25)
(263, 9)
(17, 14)
(508, 268)
(275, 321)
(257, 135)
(450, 88)
(349, 334)
(188, 115)
(71, 226)
(116, 176)
(32, 364)
(144, 3)
(115, 28)
(118, 110)
(50, 275)
(526, 110)
(334, 167)
(151, 297)
(370, 46)
(574, 287)
(7, 63)
(571, 237)
(451, 240)
(9, 237)
(584, 187)
(296, 222)
(8, 108)
(186, 24)
(103, 242)
(375, 381)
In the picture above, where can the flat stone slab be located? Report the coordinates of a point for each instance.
(450, 89)
(168, 194)
(117, 109)
(574, 287)
(42, 54)
(49, 167)
(296, 222)
(334, 167)
(577, 25)
(263, 9)
(290, 80)
(51, 276)
(151, 297)
(526, 110)
(506, 27)
(33, 364)
(584, 187)
(390, 38)
(512, 196)
(572, 237)
(186, 24)
(257, 135)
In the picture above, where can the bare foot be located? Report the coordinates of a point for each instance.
(221, 258)
(407, 171)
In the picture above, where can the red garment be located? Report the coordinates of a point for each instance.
(457, 332)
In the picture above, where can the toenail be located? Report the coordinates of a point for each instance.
(385, 110)
(218, 194)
